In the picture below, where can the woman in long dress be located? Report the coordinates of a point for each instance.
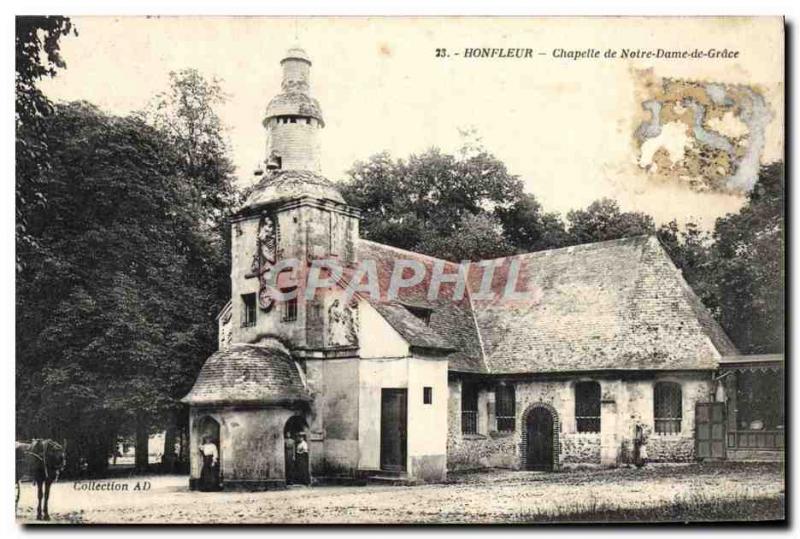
(209, 475)
(640, 445)
(301, 461)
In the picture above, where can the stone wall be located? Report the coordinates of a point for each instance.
(251, 445)
(297, 144)
(580, 448)
(624, 403)
(670, 449)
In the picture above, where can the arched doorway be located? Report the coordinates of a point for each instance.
(210, 466)
(540, 439)
(295, 458)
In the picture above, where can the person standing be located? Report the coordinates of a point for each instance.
(290, 453)
(301, 460)
(639, 445)
(209, 475)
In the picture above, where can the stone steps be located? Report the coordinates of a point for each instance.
(388, 477)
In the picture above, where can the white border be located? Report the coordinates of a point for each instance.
(788, 8)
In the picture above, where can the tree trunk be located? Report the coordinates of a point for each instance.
(183, 425)
(96, 451)
(170, 436)
(142, 435)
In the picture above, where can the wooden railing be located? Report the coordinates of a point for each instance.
(756, 439)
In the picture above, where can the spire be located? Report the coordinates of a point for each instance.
(292, 122)
(296, 70)
(295, 97)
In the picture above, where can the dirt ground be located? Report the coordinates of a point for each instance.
(497, 496)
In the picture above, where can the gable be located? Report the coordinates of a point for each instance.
(451, 328)
(377, 337)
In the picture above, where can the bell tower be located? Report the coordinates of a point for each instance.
(294, 118)
(293, 215)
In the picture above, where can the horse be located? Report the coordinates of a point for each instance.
(42, 462)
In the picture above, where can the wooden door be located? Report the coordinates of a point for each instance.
(393, 429)
(710, 427)
(540, 440)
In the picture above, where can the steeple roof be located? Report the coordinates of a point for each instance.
(283, 185)
(295, 99)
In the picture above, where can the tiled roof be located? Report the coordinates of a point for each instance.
(614, 305)
(413, 330)
(451, 326)
(249, 373)
(294, 104)
(284, 185)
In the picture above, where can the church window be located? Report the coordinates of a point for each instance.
(427, 395)
(289, 306)
(469, 408)
(587, 406)
(667, 407)
(248, 310)
(505, 407)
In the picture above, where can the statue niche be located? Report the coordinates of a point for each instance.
(264, 259)
(342, 324)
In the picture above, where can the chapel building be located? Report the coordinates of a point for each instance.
(411, 385)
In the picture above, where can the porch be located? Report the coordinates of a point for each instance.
(753, 387)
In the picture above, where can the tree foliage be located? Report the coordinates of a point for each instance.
(738, 270)
(603, 220)
(426, 200)
(186, 116)
(37, 56)
(116, 308)
(748, 267)
(469, 207)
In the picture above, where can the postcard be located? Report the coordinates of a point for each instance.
(399, 270)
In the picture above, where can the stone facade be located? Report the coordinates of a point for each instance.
(296, 143)
(250, 445)
(580, 448)
(624, 403)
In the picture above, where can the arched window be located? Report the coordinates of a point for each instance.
(505, 408)
(587, 406)
(667, 407)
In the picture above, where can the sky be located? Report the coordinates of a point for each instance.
(565, 126)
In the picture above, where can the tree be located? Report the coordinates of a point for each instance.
(479, 237)
(185, 115)
(529, 228)
(748, 264)
(37, 56)
(441, 204)
(116, 314)
(602, 220)
(738, 270)
(689, 248)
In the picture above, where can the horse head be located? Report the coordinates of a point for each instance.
(55, 456)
